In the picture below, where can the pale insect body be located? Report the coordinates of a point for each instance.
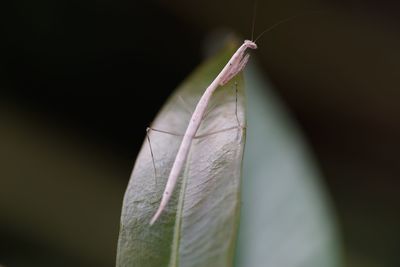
(236, 64)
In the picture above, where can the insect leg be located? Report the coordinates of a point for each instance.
(163, 131)
(151, 148)
(239, 125)
(152, 155)
(236, 106)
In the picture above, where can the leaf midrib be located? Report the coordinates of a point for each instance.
(174, 262)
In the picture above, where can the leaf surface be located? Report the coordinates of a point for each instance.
(199, 225)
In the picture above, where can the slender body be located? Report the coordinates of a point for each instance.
(237, 62)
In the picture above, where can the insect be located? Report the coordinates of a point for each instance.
(235, 65)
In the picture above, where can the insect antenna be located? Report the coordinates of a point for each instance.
(284, 21)
(253, 23)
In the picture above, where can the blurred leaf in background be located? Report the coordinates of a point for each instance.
(286, 217)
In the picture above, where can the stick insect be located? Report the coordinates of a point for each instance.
(235, 65)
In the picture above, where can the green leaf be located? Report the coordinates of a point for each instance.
(286, 216)
(199, 226)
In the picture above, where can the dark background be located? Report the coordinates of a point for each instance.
(81, 80)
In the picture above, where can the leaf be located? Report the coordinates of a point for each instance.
(199, 226)
(286, 216)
